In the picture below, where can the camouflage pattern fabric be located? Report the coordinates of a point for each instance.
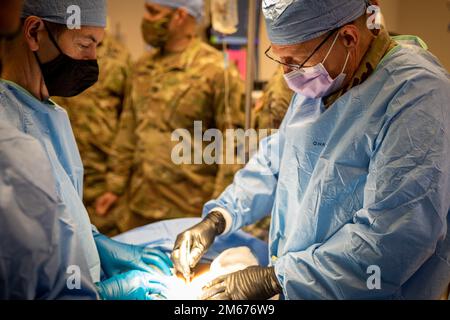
(272, 107)
(167, 92)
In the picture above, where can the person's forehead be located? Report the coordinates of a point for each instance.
(297, 49)
(95, 34)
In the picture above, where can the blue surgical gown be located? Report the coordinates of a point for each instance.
(358, 192)
(35, 263)
(49, 124)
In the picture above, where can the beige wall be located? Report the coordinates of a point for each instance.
(266, 66)
(428, 20)
(391, 10)
(125, 22)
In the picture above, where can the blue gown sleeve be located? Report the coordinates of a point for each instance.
(406, 203)
(251, 195)
(40, 256)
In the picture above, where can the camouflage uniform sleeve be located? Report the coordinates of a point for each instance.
(118, 85)
(229, 114)
(122, 152)
(275, 102)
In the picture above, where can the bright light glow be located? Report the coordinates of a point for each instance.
(180, 290)
(229, 261)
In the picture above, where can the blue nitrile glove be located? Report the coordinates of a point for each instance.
(117, 257)
(133, 285)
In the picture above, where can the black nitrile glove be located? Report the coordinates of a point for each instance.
(193, 243)
(253, 283)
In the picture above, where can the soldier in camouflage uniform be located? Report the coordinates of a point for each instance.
(268, 113)
(169, 90)
(94, 116)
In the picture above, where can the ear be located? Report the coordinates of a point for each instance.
(32, 28)
(350, 36)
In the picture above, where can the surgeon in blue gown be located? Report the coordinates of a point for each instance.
(46, 234)
(24, 169)
(34, 226)
(357, 180)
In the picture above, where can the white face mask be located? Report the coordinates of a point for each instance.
(316, 82)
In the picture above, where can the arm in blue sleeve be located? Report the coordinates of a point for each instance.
(251, 195)
(40, 255)
(406, 203)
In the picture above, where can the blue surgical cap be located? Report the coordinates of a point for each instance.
(297, 21)
(194, 7)
(92, 12)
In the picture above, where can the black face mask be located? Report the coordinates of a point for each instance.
(65, 76)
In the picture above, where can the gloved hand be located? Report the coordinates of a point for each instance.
(117, 257)
(133, 285)
(191, 245)
(253, 283)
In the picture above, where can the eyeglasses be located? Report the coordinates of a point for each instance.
(299, 66)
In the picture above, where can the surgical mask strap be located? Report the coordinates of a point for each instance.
(52, 39)
(346, 61)
(329, 52)
(331, 48)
